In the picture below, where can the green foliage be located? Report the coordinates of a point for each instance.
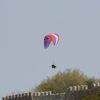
(62, 80)
(90, 82)
(93, 96)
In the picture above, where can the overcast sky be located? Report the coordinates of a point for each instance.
(24, 62)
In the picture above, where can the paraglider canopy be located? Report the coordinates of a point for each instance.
(51, 37)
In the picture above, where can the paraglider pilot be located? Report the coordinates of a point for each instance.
(53, 66)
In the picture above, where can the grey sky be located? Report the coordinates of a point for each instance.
(24, 62)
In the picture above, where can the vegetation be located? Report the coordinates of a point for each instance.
(93, 96)
(62, 80)
(90, 82)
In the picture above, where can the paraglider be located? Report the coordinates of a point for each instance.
(54, 38)
(53, 66)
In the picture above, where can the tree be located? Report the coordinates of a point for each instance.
(62, 80)
(91, 80)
